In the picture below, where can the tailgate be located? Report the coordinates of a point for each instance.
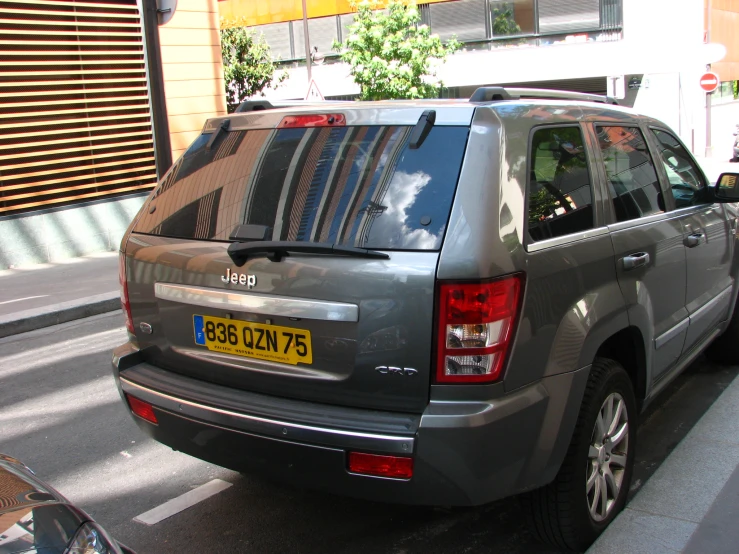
(326, 326)
(340, 331)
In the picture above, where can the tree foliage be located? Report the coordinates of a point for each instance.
(248, 67)
(391, 55)
(504, 22)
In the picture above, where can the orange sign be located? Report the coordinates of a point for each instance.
(259, 12)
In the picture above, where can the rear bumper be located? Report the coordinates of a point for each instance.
(465, 453)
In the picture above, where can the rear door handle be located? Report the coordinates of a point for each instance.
(635, 260)
(691, 241)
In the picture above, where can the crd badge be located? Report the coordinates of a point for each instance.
(396, 370)
(239, 278)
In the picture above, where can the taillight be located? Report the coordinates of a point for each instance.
(475, 328)
(312, 120)
(125, 304)
(394, 467)
(142, 409)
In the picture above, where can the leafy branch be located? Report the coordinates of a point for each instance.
(391, 55)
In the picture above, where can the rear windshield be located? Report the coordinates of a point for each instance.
(355, 186)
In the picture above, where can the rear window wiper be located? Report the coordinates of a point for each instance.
(240, 252)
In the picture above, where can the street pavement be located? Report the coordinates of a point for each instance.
(61, 414)
(47, 294)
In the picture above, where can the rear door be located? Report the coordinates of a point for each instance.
(706, 236)
(647, 241)
(336, 329)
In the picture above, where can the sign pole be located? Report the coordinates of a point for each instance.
(709, 82)
(709, 148)
(308, 62)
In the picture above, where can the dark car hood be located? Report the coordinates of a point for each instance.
(33, 516)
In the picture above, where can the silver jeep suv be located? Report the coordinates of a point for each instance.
(435, 302)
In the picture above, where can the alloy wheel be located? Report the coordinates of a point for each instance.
(607, 454)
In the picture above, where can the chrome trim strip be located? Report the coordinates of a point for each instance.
(263, 304)
(671, 333)
(700, 312)
(698, 208)
(639, 221)
(666, 216)
(566, 239)
(271, 428)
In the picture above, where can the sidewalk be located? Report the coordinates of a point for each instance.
(42, 295)
(691, 503)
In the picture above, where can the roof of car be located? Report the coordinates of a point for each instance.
(553, 106)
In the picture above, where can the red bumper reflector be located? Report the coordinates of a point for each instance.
(142, 409)
(381, 466)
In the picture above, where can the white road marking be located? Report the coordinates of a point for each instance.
(22, 299)
(182, 502)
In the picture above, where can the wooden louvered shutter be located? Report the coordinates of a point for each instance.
(75, 121)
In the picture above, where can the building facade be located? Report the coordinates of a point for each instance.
(650, 55)
(97, 98)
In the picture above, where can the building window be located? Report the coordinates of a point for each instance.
(556, 16)
(277, 35)
(322, 32)
(512, 17)
(464, 19)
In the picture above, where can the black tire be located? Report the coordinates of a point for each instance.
(559, 513)
(725, 349)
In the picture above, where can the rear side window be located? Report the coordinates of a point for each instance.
(632, 179)
(686, 180)
(355, 186)
(560, 192)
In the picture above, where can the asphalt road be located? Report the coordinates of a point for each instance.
(60, 414)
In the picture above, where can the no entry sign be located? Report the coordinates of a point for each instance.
(709, 81)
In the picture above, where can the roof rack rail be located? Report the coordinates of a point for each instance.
(254, 106)
(488, 94)
(258, 105)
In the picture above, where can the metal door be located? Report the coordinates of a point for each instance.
(647, 242)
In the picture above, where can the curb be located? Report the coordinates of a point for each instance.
(677, 506)
(38, 318)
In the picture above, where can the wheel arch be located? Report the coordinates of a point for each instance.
(627, 347)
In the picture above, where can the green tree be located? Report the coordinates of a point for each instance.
(390, 55)
(248, 67)
(504, 22)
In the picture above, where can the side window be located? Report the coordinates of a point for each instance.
(686, 180)
(560, 193)
(632, 178)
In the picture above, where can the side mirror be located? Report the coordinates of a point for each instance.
(727, 188)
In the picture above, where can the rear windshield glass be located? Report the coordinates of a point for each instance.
(355, 186)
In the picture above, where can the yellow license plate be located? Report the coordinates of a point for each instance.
(254, 340)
